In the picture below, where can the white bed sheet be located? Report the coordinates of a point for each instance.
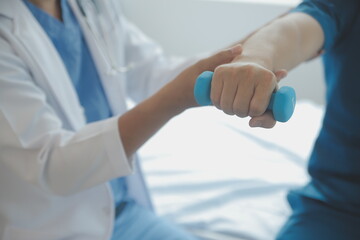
(223, 180)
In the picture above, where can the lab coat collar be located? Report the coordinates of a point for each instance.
(55, 79)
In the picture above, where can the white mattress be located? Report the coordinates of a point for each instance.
(213, 174)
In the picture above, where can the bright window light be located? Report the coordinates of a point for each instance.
(276, 2)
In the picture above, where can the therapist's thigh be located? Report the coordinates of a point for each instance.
(142, 224)
(314, 220)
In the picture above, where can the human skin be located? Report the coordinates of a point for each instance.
(244, 86)
(141, 122)
(242, 83)
(52, 7)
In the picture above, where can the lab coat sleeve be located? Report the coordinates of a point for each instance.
(152, 67)
(36, 148)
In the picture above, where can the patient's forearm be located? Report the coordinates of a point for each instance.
(284, 43)
(244, 86)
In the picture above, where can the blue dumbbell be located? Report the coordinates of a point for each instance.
(282, 102)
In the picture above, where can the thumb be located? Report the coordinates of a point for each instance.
(280, 74)
(222, 57)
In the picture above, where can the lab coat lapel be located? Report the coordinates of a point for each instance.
(48, 69)
(50, 74)
(114, 87)
(112, 82)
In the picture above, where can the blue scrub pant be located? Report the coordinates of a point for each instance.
(315, 220)
(138, 223)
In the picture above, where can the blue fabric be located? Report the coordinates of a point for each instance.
(138, 223)
(71, 46)
(315, 220)
(132, 221)
(334, 165)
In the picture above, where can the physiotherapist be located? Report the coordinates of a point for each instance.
(68, 166)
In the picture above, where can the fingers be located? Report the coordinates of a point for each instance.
(227, 98)
(264, 121)
(280, 74)
(262, 94)
(222, 57)
(242, 89)
(245, 92)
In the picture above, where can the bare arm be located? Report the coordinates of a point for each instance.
(285, 43)
(244, 86)
(143, 121)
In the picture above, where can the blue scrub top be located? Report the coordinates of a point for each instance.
(68, 39)
(335, 161)
(132, 222)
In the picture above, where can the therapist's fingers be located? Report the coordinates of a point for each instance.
(222, 57)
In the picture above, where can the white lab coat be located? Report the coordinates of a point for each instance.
(54, 168)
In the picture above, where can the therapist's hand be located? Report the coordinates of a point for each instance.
(141, 122)
(243, 88)
(180, 91)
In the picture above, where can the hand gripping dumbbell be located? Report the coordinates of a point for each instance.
(282, 102)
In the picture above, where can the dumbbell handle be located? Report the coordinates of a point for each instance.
(282, 102)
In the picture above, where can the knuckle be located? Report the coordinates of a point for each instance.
(227, 108)
(269, 78)
(228, 112)
(241, 114)
(215, 102)
(234, 77)
(218, 107)
(256, 110)
(220, 70)
(228, 74)
(248, 70)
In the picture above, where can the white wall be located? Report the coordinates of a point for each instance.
(187, 27)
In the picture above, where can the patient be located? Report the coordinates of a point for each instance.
(328, 207)
(67, 139)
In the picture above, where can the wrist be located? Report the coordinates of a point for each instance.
(178, 94)
(261, 60)
(168, 103)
